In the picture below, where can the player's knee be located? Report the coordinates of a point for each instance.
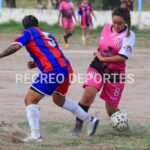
(88, 98)
(28, 100)
(58, 99)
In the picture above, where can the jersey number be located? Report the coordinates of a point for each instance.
(117, 92)
(51, 41)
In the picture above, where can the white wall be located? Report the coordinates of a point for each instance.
(141, 19)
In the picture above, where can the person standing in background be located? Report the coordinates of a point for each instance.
(85, 11)
(66, 13)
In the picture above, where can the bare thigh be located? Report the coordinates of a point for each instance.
(88, 95)
(32, 97)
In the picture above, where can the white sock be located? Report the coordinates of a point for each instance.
(83, 39)
(73, 107)
(33, 115)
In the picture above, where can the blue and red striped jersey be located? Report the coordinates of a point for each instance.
(85, 11)
(43, 48)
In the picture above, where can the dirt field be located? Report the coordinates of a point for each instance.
(135, 100)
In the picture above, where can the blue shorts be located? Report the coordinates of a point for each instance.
(48, 82)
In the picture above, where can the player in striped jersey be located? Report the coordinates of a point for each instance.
(54, 78)
(85, 11)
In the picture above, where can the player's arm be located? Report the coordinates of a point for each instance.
(59, 16)
(74, 16)
(116, 58)
(10, 50)
(93, 14)
(123, 54)
(79, 15)
(60, 12)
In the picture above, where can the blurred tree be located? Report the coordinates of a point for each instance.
(110, 4)
(10, 3)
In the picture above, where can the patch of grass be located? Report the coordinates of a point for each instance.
(56, 136)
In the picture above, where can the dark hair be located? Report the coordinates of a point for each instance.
(125, 14)
(29, 21)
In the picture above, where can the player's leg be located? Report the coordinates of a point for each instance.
(33, 115)
(111, 108)
(74, 108)
(83, 36)
(89, 35)
(111, 93)
(40, 87)
(70, 29)
(65, 39)
(60, 100)
(85, 103)
(65, 29)
(66, 22)
(92, 84)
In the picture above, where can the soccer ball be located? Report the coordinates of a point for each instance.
(119, 121)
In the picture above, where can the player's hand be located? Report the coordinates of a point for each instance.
(31, 64)
(98, 55)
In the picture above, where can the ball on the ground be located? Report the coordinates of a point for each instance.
(119, 121)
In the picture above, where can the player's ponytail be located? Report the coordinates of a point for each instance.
(125, 14)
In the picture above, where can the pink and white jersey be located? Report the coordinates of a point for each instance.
(67, 8)
(111, 44)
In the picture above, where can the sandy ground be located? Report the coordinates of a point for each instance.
(135, 100)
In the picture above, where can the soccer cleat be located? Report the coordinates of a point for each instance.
(92, 126)
(76, 131)
(32, 140)
(78, 128)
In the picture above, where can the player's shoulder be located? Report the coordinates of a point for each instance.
(131, 37)
(132, 34)
(107, 26)
(62, 3)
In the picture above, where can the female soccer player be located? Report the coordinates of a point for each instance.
(54, 77)
(66, 9)
(85, 11)
(107, 70)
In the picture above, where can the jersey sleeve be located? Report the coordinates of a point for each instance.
(79, 11)
(127, 46)
(23, 39)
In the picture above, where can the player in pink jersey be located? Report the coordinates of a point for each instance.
(66, 9)
(107, 71)
(85, 11)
